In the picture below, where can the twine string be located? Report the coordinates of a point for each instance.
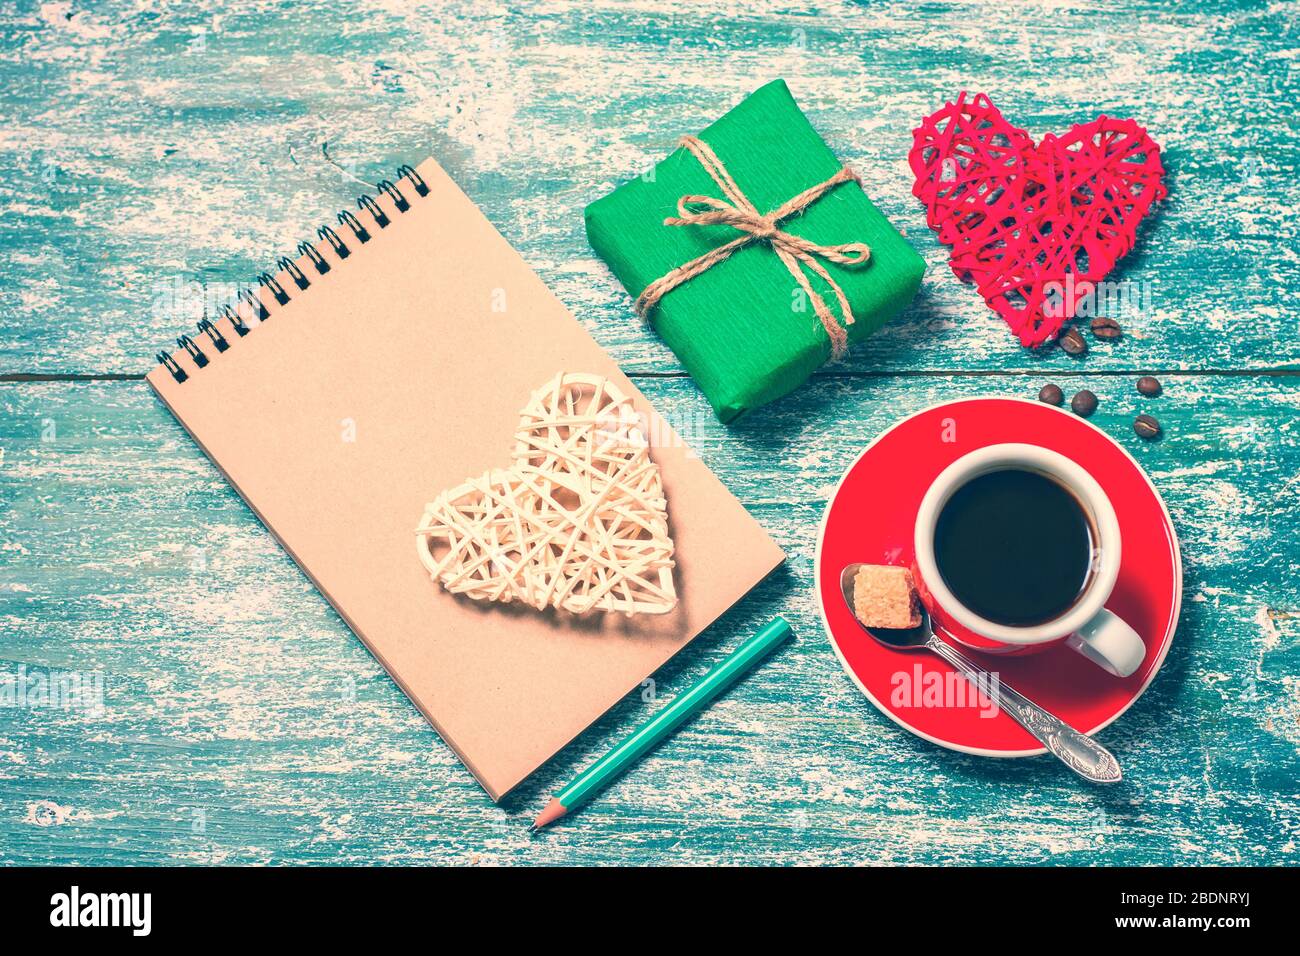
(797, 254)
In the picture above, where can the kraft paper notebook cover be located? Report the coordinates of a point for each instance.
(421, 344)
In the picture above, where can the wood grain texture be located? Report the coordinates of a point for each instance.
(235, 700)
(146, 149)
(148, 146)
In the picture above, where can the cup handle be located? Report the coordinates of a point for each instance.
(1109, 643)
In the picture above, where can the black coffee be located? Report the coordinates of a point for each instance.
(1015, 547)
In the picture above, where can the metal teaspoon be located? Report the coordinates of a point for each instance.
(1077, 751)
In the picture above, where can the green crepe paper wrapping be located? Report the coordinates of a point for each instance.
(737, 327)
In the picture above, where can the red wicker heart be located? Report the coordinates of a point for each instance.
(1034, 227)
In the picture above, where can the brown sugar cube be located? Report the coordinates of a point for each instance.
(885, 597)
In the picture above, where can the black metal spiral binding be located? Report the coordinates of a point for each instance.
(272, 285)
(257, 305)
(234, 318)
(347, 219)
(320, 262)
(290, 268)
(166, 361)
(421, 188)
(372, 207)
(394, 194)
(218, 340)
(195, 353)
(338, 245)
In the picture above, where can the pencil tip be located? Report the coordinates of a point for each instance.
(554, 810)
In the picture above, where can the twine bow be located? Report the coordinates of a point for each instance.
(795, 252)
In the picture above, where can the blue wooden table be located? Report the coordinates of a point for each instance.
(228, 716)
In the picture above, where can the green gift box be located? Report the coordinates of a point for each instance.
(744, 328)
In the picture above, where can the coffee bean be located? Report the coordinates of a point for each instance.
(1073, 343)
(1051, 394)
(1084, 403)
(1146, 426)
(1104, 328)
(1149, 385)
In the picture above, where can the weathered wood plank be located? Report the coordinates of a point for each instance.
(242, 722)
(143, 147)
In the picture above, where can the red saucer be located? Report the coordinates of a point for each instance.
(870, 518)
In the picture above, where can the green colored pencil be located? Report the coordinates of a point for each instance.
(683, 707)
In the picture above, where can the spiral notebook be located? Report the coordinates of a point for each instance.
(385, 362)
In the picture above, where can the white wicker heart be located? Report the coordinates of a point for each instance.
(578, 522)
